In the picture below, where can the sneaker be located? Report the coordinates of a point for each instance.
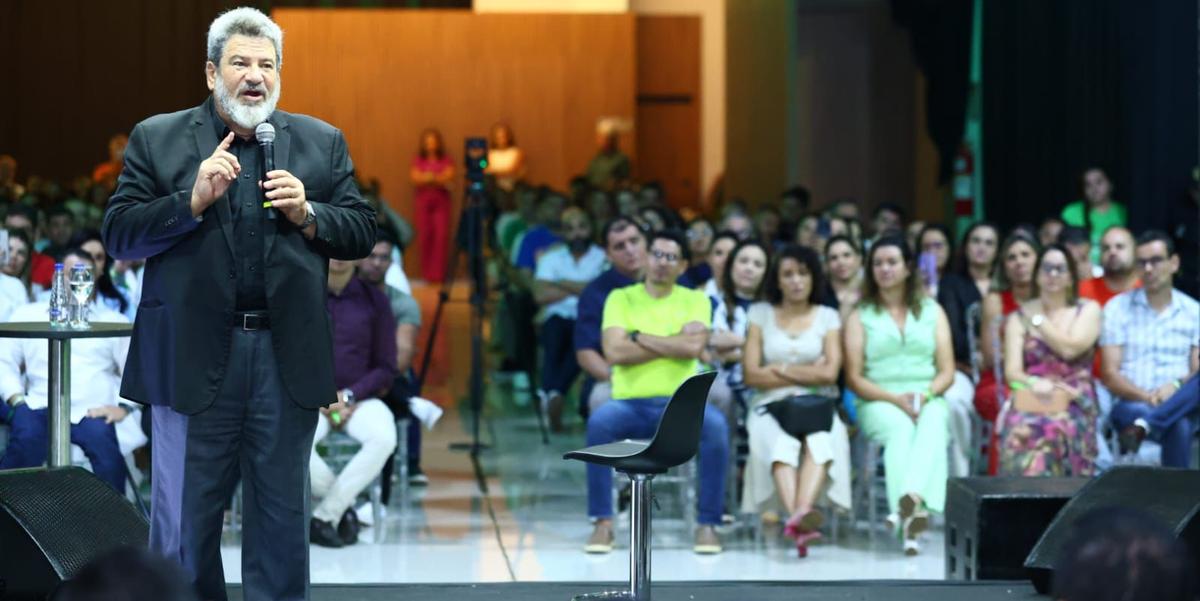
(601, 540)
(707, 541)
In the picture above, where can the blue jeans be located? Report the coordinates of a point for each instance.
(638, 419)
(559, 367)
(1172, 423)
(28, 444)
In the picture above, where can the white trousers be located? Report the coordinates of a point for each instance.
(960, 401)
(374, 427)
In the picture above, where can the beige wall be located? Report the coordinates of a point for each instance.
(759, 97)
(712, 76)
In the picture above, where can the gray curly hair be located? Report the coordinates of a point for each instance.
(243, 21)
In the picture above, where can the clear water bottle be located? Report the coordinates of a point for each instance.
(59, 301)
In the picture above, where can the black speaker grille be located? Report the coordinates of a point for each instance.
(71, 515)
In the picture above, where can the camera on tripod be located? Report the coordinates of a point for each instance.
(475, 159)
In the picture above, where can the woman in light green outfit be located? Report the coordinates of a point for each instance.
(899, 355)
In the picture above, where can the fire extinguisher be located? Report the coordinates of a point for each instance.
(964, 175)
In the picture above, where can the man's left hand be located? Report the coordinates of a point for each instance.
(109, 413)
(286, 193)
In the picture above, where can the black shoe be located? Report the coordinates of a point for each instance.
(347, 528)
(323, 533)
(1131, 439)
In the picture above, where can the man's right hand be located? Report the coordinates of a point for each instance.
(216, 173)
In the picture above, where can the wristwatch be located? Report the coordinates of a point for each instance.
(1038, 320)
(633, 336)
(309, 218)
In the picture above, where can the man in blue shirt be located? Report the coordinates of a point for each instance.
(625, 245)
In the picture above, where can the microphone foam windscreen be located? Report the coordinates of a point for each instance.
(265, 133)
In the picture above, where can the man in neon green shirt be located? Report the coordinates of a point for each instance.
(653, 335)
(1097, 209)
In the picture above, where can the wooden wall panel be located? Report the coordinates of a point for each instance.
(668, 106)
(383, 75)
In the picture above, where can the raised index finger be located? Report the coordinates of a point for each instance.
(225, 144)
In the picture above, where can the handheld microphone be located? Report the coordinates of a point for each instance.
(265, 134)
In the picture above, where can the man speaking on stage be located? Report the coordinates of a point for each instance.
(232, 340)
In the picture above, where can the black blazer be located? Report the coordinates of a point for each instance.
(182, 334)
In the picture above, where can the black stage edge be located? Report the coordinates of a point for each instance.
(879, 590)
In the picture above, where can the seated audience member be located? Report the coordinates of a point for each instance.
(407, 314)
(625, 247)
(127, 574)
(935, 247)
(100, 423)
(1151, 356)
(1075, 240)
(813, 232)
(106, 173)
(562, 274)
(364, 367)
(844, 259)
(106, 291)
(60, 227)
(739, 223)
(718, 254)
(656, 219)
(961, 294)
(1116, 256)
(793, 204)
(18, 268)
(626, 202)
(767, 225)
(1049, 426)
(542, 235)
(700, 238)
(600, 206)
(654, 332)
(1013, 288)
(886, 217)
(1097, 210)
(844, 207)
(1121, 554)
(793, 347)
(912, 233)
(25, 218)
(1116, 259)
(1048, 231)
(742, 284)
(899, 362)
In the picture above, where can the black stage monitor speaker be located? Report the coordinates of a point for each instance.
(992, 523)
(1171, 496)
(53, 522)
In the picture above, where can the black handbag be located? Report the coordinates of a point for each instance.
(802, 414)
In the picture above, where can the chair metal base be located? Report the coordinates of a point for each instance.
(639, 546)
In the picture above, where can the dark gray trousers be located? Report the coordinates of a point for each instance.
(254, 431)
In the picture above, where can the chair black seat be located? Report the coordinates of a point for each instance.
(675, 442)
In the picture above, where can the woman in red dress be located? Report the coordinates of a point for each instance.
(431, 174)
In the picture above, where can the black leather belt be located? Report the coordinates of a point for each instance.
(251, 320)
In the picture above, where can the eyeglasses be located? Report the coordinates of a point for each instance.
(1151, 263)
(1053, 269)
(664, 257)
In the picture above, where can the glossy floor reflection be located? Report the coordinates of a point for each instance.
(447, 532)
(531, 523)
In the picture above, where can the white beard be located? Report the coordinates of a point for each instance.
(244, 115)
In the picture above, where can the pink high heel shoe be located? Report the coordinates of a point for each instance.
(803, 540)
(803, 522)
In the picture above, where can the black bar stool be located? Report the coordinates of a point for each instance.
(675, 442)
